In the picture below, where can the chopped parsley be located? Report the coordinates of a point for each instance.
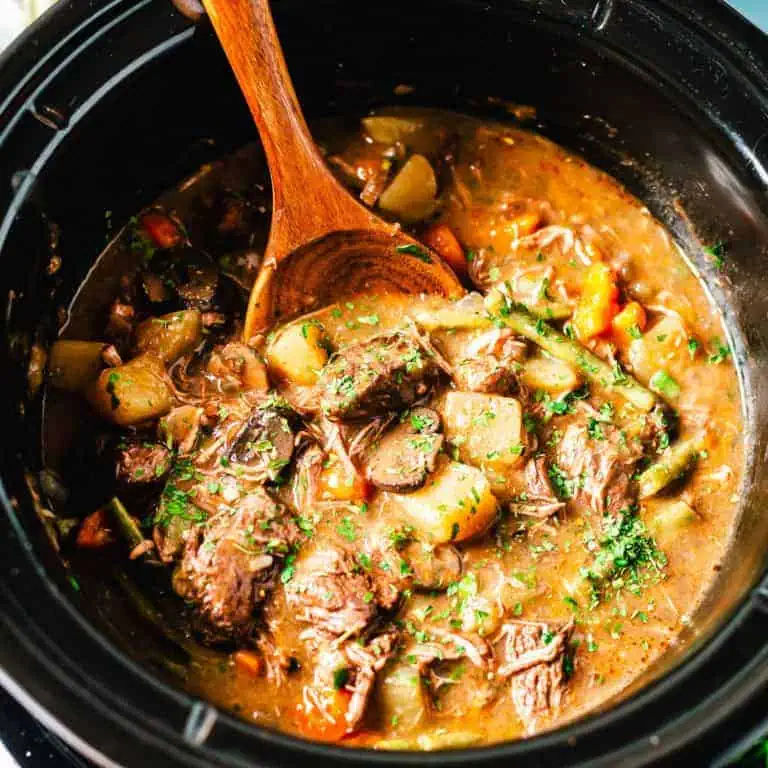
(340, 677)
(721, 352)
(626, 558)
(564, 486)
(619, 377)
(595, 429)
(716, 252)
(415, 250)
(421, 421)
(112, 380)
(662, 383)
(346, 528)
(289, 569)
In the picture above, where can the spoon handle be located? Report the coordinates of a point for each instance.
(307, 200)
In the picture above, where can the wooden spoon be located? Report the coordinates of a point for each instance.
(323, 244)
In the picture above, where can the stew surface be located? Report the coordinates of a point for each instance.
(403, 521)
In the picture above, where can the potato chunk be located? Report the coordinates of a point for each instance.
(550, 375)
(488, 429)
(132, 393)
(454, 505)
(389, 129)
(73, 365)
(667, 518)
(411, 195)
(170, 336)
(664, 346)
(401, 696)
(298, 353)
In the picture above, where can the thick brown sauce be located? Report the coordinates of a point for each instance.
(499, 173)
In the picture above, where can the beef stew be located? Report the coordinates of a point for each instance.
(402, 521)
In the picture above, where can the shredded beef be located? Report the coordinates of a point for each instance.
(142, 463)
(539, 499)
(492, 363)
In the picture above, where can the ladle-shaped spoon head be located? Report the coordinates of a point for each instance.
(323, 244)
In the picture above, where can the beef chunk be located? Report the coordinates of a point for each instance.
(533, 655)
(401, 460)
(181, 277)
(492, 363)
(599, 469)
(141, 463)
(385, 373)
(266, 441)
(229, 568)
(335, 595)
(539, 499)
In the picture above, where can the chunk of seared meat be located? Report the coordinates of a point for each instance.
(597, 471)
(386, 373)
(335, 595)
(539, 499)
(265, 442)
(533, 654)
(228, 569)
(181, 277)
(404, 455)
(492, 363)
(141, 463)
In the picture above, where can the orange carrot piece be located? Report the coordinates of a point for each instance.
(163, 231)
(440, 238)
(95, 532)
(629, 323)
(599, 302)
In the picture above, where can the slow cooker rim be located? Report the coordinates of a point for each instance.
(509, 750)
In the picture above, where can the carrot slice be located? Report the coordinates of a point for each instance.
(164, 232)
(248, 662)
(440, 238)
(328, 725)
(599, 302)
(341, 483)
(95, 532)
(629, 323)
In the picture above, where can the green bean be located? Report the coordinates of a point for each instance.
(496, 299)
(670, 466)
(560, 346)
(429, 742)
(129, 528)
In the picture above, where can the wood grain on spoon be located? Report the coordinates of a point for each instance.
(321, 235)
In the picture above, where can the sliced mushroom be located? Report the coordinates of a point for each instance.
(406, 454)
(266, 442)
